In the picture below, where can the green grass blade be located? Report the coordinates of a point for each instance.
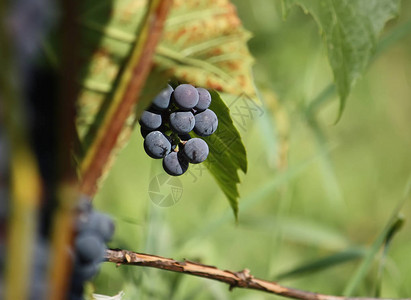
(393, 231)
(388, 231)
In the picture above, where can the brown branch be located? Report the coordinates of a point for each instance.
(241, 279)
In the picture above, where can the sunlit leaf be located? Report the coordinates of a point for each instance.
(363, 268)
(205, 44)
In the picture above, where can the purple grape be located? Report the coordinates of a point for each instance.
(182, 122)
(89, 247)
(175, 164)
(85, 271)
(97, 223)
(206, 123)
(157, 145)
(162, 100)
(150, 121)
(93, 229)
(196, 150)
(185, 96)
(204, 99)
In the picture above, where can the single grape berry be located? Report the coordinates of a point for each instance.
(196, 150)
(185, 96)
(206, 123)
(182, 122)
(85, 271)
(97, 223)
(175, 164)
(89, 248)
(204, 99)
(84, 204)
(150, 121)
(157, 145)
(162, 100)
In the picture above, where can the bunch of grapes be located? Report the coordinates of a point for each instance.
(93, 230)
(167, 124)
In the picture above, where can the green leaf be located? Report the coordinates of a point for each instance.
(395, 228)
(350, 29)
(227, 152)
(393, 224)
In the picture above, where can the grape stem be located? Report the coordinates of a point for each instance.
(241, 279)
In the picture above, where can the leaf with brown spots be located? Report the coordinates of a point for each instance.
(205, 44)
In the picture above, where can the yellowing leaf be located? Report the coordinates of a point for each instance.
(205, 44)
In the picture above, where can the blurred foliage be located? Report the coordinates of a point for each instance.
(313, 189)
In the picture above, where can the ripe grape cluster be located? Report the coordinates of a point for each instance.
(93, 230)
(167, 124)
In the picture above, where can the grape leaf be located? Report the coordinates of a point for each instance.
(350, 29)
(227, 153)
(203, 43)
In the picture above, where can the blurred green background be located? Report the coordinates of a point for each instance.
(313, 189)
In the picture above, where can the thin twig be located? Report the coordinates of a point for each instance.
(241, 279)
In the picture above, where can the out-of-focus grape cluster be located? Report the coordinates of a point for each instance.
(92, 231)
